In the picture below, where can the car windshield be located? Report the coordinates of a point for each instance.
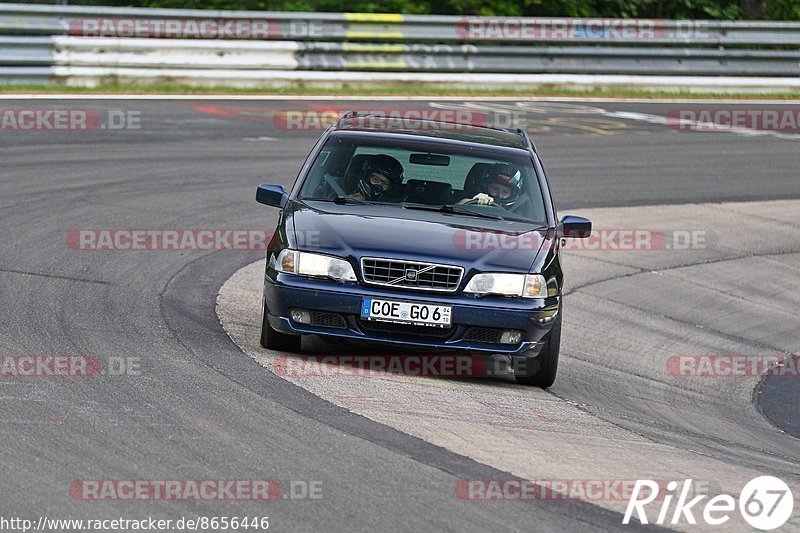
(463, 180)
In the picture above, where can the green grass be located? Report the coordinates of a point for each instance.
(408, 90)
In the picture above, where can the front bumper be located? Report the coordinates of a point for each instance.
(286, 291)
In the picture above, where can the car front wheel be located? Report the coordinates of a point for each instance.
(545, 366)
(275, 340)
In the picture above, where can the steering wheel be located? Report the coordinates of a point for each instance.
(474, 201)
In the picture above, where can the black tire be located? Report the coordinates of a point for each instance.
(547, 361)
(275, 340)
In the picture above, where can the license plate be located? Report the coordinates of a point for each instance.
(406, 312)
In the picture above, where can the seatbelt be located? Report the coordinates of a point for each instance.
(330, 180)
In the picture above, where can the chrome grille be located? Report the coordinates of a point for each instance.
(411, 274)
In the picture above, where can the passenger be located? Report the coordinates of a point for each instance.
(381, 180)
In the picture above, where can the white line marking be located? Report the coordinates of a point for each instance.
(549, 108)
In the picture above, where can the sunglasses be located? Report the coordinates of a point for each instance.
(379, 179)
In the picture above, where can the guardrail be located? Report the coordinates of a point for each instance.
(64, 43)
(68, 20)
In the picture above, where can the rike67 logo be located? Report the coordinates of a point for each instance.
(765, 503)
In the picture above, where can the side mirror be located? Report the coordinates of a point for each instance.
(274, 195)
(576, 227)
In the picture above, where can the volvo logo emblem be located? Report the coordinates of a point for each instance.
(411, 274)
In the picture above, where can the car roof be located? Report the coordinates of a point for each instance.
(439, 129)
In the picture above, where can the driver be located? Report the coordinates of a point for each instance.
(503, 185)
(380, 179)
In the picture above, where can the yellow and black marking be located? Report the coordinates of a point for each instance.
(373, 26)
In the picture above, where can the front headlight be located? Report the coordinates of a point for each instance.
(308, 264)
(525, 285)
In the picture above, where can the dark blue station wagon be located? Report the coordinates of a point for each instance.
(439, 236)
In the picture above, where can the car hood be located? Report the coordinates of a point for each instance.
(392, 232)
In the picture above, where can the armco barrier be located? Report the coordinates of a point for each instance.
(63, 20)
(293, 55)
(83, 45)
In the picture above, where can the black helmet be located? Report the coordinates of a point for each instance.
(508, 176)
(388, 167)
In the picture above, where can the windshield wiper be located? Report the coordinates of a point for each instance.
(451, 208)
(341, 200)
(454, 208)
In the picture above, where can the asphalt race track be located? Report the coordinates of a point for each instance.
(177, 399)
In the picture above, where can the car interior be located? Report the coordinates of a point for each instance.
(341, 169)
